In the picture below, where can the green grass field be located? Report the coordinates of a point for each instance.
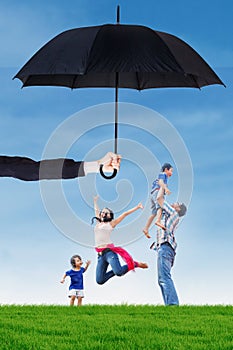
(116, 327)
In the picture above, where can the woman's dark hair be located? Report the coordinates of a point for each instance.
(105, 219)
(95, 218)
(72, 259)
(167, 166)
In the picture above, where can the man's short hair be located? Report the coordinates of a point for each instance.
(182, 210)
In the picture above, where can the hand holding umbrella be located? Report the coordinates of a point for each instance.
(108, 162)
(28, 169)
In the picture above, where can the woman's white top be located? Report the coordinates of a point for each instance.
(103, 232)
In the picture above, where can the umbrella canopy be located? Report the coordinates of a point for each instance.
(117, 56)
(142, 57)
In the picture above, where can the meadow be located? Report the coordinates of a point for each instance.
(111, 327)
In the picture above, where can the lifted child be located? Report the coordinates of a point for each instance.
(158, 186)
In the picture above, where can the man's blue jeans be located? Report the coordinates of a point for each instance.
(109, 258)
(166, 256)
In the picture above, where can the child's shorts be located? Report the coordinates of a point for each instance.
(154, 204)
(76, 292)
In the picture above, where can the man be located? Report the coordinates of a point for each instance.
(27, 169)
(166, 248)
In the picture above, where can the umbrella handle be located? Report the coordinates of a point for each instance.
(105, 176)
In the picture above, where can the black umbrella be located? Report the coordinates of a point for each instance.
(118, 56)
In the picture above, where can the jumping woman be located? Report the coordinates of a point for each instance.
(107, 251)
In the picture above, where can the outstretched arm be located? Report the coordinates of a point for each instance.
(96, 207)
(126, 213)
(27, 169)
(87, 264)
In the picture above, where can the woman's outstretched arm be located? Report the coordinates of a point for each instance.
(126, 213)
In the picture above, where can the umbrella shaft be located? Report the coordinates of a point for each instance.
(116, 126)
(116, 114)
(116, 97)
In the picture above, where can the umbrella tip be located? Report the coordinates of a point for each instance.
(118, 14)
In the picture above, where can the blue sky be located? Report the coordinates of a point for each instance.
(34, 253)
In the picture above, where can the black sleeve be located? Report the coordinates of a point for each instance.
(30, 170)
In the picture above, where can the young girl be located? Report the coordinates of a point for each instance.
(107, 252)
(76, 279)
